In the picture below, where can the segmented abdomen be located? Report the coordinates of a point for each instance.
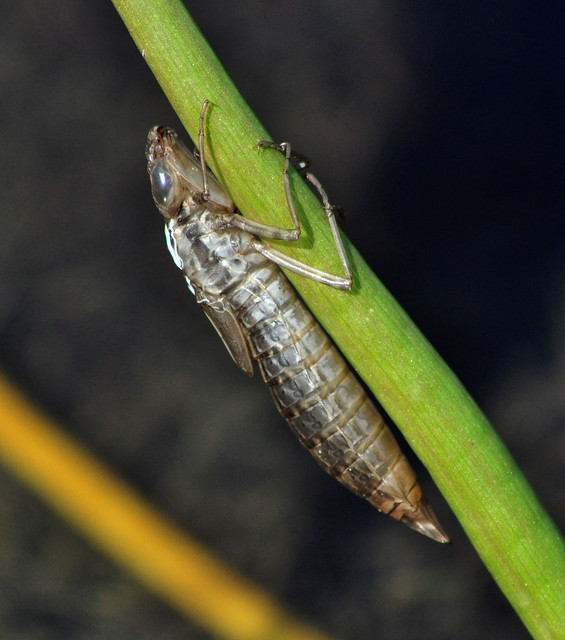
(323, 402)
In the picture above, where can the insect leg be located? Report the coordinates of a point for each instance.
(267, 230)
(285, 149)
(301, 162)
(330, 210)
(257, 228)
(205, 189)
(237, 220)
(302, 269)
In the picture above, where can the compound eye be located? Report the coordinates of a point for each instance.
(166, 189)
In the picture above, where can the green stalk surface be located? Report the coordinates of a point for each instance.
(498, 510)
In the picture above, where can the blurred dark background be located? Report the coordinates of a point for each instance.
(438, 127)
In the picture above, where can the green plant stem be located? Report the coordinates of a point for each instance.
(505, 522)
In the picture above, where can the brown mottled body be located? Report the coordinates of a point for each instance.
(256, 311)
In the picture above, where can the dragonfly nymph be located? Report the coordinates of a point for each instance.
(238, 282)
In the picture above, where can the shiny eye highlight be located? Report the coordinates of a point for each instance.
(165, 187)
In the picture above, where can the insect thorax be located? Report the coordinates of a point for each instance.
(212, 261)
